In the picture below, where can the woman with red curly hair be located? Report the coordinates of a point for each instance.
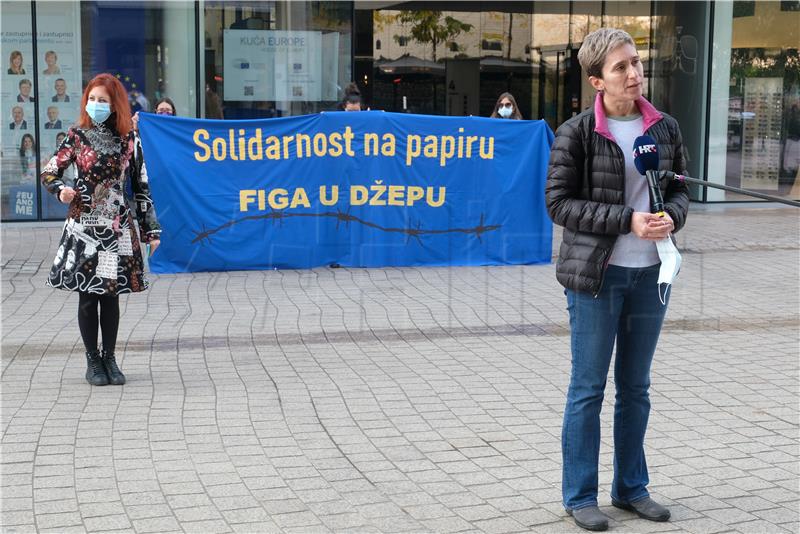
(100, 255)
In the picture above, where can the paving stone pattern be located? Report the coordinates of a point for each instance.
(393, 400)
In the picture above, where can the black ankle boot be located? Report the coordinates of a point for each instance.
(95, 372)
(115, 376)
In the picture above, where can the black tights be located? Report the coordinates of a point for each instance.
(108, 320)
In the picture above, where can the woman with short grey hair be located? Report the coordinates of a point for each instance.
(609, 265)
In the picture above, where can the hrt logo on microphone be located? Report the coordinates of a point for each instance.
(644, 149)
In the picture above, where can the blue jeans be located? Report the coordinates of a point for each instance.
(628, 311)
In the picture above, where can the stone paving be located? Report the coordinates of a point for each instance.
(393, 400)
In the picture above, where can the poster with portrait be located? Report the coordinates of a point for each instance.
(60, 71)
(55, 78)
(61, 78)
(17, 142)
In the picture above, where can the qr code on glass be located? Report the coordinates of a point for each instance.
(248, 90)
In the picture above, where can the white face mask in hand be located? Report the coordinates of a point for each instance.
(670, 266)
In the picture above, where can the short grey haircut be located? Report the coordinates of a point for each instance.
(597, 45)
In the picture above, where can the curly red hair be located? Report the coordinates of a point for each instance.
(119, 103)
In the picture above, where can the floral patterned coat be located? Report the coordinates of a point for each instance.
(99, 251)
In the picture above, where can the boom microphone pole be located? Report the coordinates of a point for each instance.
(681, 178)
(645, 157)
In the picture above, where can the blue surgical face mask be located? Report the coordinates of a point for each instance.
(504, 112)
(98, 111)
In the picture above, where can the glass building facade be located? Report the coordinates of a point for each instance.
(728, 71)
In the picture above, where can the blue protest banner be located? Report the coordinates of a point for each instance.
(366, 189)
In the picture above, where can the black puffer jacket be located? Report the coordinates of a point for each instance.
(586, 189)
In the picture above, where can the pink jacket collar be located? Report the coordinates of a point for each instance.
(650, 115)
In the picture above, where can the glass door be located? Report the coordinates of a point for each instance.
(552, 84)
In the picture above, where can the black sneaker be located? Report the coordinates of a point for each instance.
(590, 518)
(95, 372)
(645, 508)
(115, 376)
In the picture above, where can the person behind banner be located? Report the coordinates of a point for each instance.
(15, 63)
(351, 101)
(213, 104)
(165, 106)
(506, 108)
(99, 254)
(609, 265)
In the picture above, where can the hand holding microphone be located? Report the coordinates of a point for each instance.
(656, 225)
(651, 226)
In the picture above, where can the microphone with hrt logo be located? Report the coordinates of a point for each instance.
(645, 157)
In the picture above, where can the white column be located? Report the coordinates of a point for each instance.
(179, 56)
(720, 94)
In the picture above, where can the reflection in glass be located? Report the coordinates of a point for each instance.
(763, 138)
(272, 59)
(586, 18)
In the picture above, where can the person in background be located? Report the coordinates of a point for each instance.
(100, 254)
(27, 154)
(213, 104)
(352, 102)
(53, 122)
(51, 59)
(609, 265)
(15, 63)
(19, 119)
(165, 106)
(138, 101)
(352, 99)
(61, 95)
(506, 108)
(25, 87)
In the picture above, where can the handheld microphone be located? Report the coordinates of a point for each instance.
(645, 157)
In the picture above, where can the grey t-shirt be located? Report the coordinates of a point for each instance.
(630, 250)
